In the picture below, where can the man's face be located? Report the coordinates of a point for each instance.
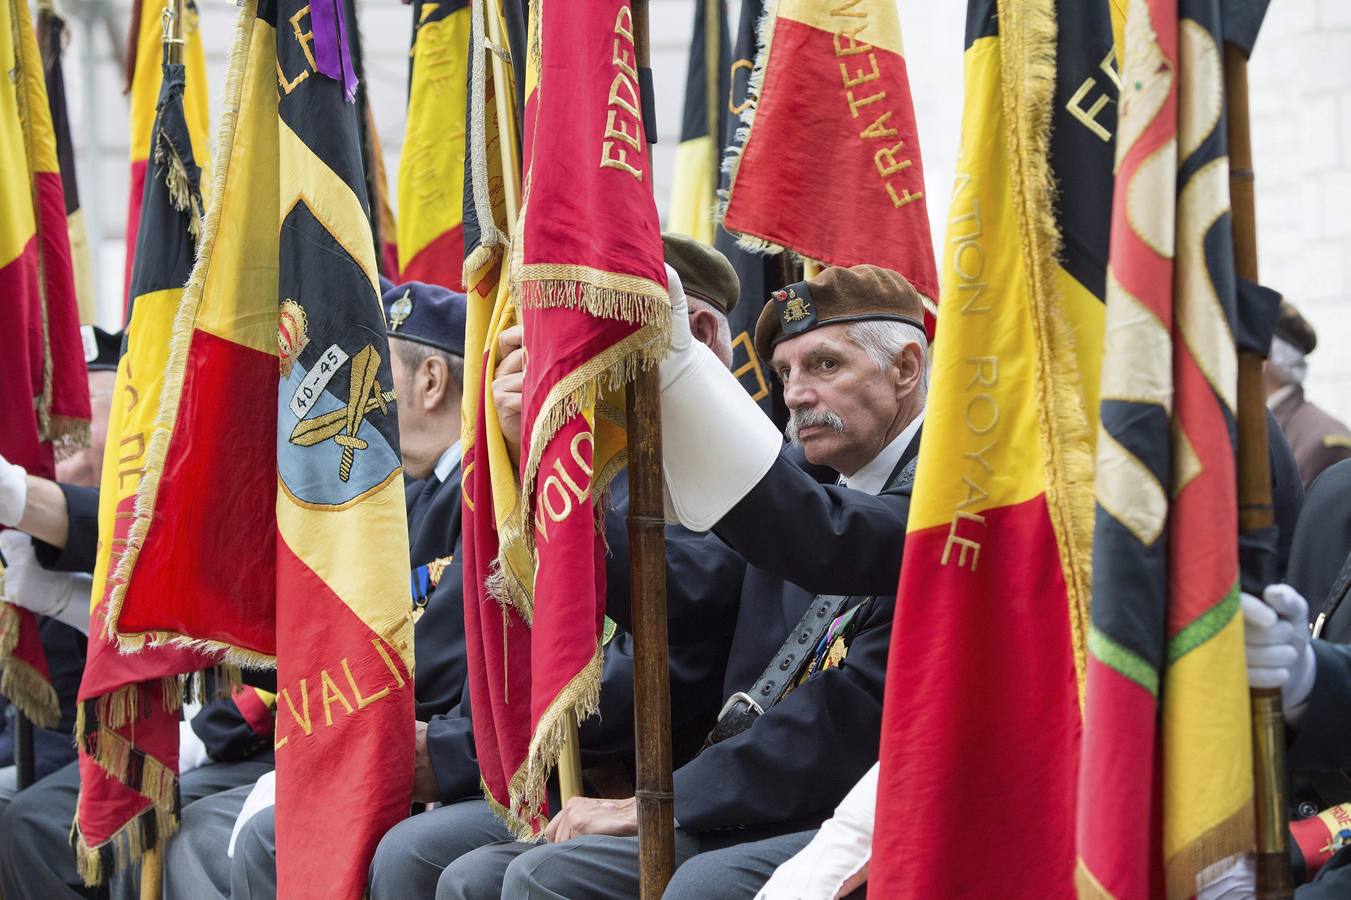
(83, 467)
(843, 408)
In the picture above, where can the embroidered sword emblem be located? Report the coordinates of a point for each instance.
(341, 425)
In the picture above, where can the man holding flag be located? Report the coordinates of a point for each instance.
(850, 346)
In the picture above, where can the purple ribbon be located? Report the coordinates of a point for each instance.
(332, 54)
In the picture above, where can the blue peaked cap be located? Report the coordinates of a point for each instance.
(426, 313)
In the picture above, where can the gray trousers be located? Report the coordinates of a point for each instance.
(407, 862)
(601, 867)
(36, 859)
(196, 864)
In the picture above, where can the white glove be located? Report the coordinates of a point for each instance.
(835, 862)
(62, 595)
(716, 442)
(191, 751)
(1276, 638)
(14, 489)
(1238, 882)
(263, 795)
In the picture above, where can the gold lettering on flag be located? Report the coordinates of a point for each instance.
(1089, 116)
(888, 159)
(304, 39)
(981, 413)
(623, 118)
(329, 694)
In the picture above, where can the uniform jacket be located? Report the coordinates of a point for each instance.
(1322, 747)
(702, 580)
(1317, 439)
(1320, 557)
(801, 538)
(438, 634)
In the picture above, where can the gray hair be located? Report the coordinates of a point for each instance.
(724, 349)
(1287, 362)
(883, 340)
(415, 353)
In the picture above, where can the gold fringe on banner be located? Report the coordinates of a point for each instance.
(1027, 41)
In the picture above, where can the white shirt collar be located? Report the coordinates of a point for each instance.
(1278, 396)
(448, 461)
(873, 476)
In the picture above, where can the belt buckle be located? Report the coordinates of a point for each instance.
(739, 697)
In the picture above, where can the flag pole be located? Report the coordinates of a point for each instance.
(1256, 513)
(152, 860)
(654, 791)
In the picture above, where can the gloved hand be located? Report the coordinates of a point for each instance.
(1238, 882)
(14, 491)
(62, 595)
(1277, 642)
(191, 751)
(263, 795)
(680, 349)
(835, 862)
(716, 443)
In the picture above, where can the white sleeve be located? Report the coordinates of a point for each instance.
(840, 850)
(263, 795)
(62, 595)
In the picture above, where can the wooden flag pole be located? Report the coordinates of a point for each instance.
(152, 860)
(647, 581)
(1274, 880)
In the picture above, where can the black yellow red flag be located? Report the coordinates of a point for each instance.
(277, 443)
(698, 156)
(44, 403)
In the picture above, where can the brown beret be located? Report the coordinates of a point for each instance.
(1294, 328)
(704, 272)
(837, 294)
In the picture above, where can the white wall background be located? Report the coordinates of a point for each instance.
(1301, 104)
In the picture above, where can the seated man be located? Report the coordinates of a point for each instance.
(426, 336)
(806, 670)
(1314, 677)
(222, 746)
(702, 579)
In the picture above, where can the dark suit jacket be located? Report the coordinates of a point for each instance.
(702, 580)
(802, 538)
(1321, 551)
(1318, 439)
(438, 635)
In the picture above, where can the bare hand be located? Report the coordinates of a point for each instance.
(588, 815)
(425, 787)
(508, 383)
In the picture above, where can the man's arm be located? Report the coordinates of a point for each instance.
(823, 538)
(73, 546)
(1323, 741)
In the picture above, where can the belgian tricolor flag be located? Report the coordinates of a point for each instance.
(44, 403)
(431, 169)
(127, 727)
(986, 669)
(145, 56)
(52, 36)
(275, 451)
(695, 185)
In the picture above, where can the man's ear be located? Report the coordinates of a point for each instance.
(435, 376)
(704, 328)
(909, 369)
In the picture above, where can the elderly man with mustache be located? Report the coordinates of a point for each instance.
(805, 672)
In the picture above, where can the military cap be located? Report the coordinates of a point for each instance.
(426, 313)
(102, 349)
(1295, 329)
(704, 272)
(836, 295)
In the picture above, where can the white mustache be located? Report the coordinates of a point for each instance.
(807, 418)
